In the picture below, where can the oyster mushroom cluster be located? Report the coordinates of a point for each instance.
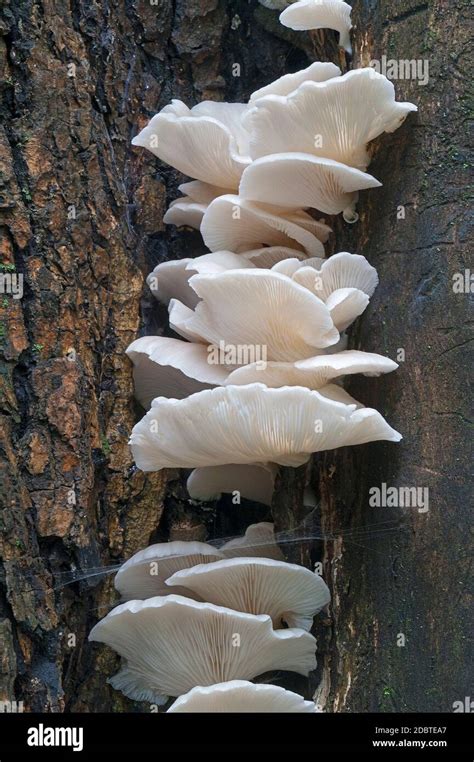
(200, 622)
(252, 379)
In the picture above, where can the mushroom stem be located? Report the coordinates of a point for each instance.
(349, 214)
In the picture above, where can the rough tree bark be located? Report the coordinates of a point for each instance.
(401, 572)
(81, 218)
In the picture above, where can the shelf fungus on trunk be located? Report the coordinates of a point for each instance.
(288, 593)
(171, 644)
(256, 384)
(252, 423)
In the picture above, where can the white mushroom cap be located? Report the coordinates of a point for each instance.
(320, 14)
(248, 424)
(236, 224)
(218, 262)
(341, 271)
(269, 256)
(345, 305)
(288, 593)
(242, 696)
(254, 481)
(207, 142)
(304, 180)
(257, 308)
(313, 373)
(172, 644)
(185, 212)
(170, 280)
(344, 282)
(144, 574)
(258, 541)
(316, 72)
(334, 119)
(171, 368)
(189, 210)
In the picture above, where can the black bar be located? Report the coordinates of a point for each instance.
(121, 734)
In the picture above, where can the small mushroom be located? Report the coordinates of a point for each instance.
(254, 481)
(145, 573)
(258, 540)
(190, 208)
(303, 180)
(344, 282)
(316, 72)
(325, 276)
(236, 224)
(288, 593)
(248, 424)
(241, 696)
(315, 372)
(207, 142)
(172, 644)
(256, 309)
(166, 367)
(320, 14)
(335, 119)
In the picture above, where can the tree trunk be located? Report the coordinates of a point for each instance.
(401, 616)
(81, 218)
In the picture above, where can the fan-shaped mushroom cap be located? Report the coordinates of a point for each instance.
(254, 481)
(344, 282)
(302, 180)
(169, 280)
(288, 593)
(242, 696)
(334, 119)
(316, 72)
(144, 574)
(172, 644)
(207, 142)
(236, 224)
(256, 308)
(325, 276)
(258, 541)
(171, 368)
(248, 424)
(320, 14)
(313, 373)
